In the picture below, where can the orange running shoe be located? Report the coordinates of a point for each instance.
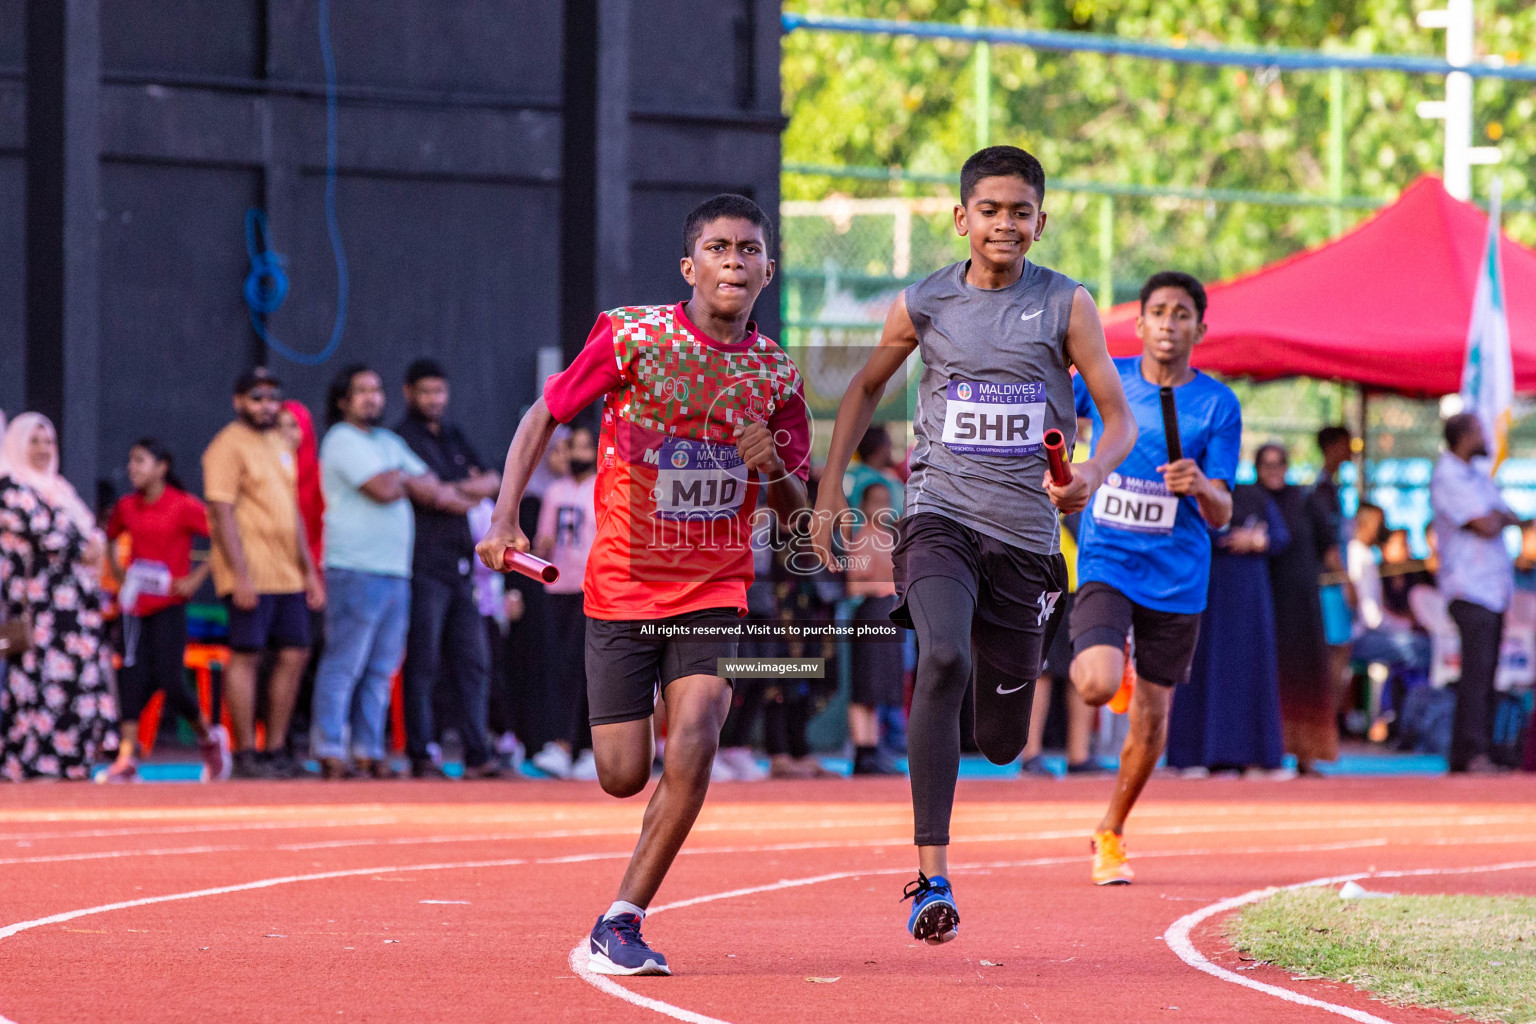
(1110, 866)
(1120, 703)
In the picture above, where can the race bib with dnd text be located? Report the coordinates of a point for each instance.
(699, 480)
(1130, 503)
(994, 419)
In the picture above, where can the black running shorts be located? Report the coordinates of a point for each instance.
(1013, 588)
(625, 665)
(1014, 595)
(1165, 641)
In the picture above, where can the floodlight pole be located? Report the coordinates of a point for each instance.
(1456, 109)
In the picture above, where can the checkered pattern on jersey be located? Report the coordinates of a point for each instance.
(676, 384)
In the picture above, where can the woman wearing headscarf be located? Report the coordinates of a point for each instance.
(1228, 716)
(57, 704)
(298, 429)
(1307, 690)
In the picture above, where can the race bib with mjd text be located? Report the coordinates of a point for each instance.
(699, 480)
(1130, 503)
(993, 419)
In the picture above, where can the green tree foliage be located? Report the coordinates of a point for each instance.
(908, 103)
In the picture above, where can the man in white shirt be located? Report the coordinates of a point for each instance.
(1476, 579)
(370, 477)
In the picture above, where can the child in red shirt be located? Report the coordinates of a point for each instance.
(161, 521)
(699, 412)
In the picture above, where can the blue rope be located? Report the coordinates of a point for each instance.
(266, 285)
(1285, 60)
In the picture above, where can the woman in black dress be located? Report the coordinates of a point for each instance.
(1307, 693)
(1228, 715)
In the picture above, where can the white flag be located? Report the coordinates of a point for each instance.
(1488, 377)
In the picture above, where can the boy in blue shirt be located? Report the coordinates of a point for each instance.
(1145, 550)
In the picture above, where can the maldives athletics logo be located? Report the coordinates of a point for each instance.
(963, 391)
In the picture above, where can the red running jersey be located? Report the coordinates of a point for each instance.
(162, 531)
(674, 501)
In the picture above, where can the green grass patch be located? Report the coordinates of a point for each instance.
(1474, 955)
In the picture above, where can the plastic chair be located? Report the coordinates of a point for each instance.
(202, 659)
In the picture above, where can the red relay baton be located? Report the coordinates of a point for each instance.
(534, 568)
(1056, 452)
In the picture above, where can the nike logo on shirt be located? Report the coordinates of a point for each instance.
(1016, 689)
(1030, 316)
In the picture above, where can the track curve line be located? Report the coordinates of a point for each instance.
(1178, 940)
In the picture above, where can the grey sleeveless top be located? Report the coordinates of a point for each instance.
(994, 380)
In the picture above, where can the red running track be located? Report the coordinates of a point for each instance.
(462, 901)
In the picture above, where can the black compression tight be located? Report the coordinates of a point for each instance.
(941, 610)
(953, 647)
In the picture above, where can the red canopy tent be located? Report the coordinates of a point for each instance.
(1386, 305)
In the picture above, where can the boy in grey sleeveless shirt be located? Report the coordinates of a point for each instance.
(976, 565)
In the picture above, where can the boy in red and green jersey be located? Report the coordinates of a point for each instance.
(674, 498)
(700, 412)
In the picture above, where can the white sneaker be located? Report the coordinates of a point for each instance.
(217, 760)
(553, 760)
(585, 768)
(742, 764)
(510, 749)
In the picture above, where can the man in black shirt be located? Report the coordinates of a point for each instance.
(444, 614)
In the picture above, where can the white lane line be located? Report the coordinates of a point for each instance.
(1230, 821)
(580, 952)
(598, 981)
(172, 830)
(1178, 940)
(767, 848)
(609, 987)
(819, 844)
(262, 883)
(58, 858)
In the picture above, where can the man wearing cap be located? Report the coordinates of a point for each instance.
(261, 569)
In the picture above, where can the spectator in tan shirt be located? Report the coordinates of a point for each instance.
(261, 569)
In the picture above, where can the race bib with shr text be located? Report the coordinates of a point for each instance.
(1130, 503)
(994, 419)
(699, 480)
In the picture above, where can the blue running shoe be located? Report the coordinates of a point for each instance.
(617, 948)
(934, 917)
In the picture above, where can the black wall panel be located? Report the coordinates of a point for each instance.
(505, 47)
(463, 271)
(182, 37)
(682, 61)
(174, 332)
(449, 192)
(13, 35)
